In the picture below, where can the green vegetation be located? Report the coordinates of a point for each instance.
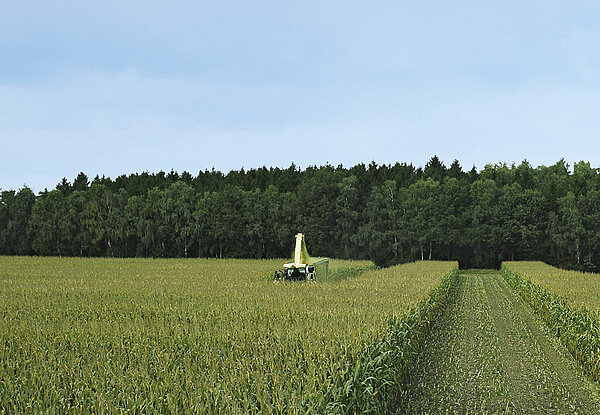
(488, 354)
(388, 214)
(567, 301)
(202, 336)
(342, 273)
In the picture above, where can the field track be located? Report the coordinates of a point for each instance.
(488, 353)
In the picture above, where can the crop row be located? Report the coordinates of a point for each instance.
(370, 381)
(567, 302)
(207, 336)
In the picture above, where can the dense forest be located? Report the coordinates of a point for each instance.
(387, 213)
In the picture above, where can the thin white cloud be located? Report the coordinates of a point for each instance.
(109, 88)
(542, 124)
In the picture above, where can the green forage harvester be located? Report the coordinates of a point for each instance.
(304, 268)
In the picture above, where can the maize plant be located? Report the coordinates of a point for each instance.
(208, 336)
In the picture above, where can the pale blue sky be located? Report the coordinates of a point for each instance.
(118, 87)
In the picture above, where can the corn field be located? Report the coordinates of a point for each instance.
(207, 335)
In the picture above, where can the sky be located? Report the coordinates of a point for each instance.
(114, 87)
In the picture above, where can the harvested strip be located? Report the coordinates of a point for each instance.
(489, 354)
(567, 301)
(460, 366)
(565, 367)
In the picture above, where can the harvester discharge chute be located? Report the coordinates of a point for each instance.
(304, 268)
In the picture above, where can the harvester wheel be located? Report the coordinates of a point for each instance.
(296, 274)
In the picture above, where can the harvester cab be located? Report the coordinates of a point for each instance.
(304, 268)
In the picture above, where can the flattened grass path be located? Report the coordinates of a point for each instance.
(489, 354)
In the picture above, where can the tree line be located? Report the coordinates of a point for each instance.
(386, 213)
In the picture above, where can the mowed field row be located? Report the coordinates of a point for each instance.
(488, 353)
(205, 336)
(568, 301)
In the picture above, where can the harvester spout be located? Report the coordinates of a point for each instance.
(300, 253)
